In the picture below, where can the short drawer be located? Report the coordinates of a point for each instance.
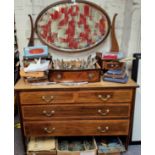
(109, 95)
(46, 97)
(87, 111)
(76, 127)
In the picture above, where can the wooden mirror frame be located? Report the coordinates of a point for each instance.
(74, 50)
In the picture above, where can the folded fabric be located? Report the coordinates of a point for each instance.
(124, 80)
(37, 67)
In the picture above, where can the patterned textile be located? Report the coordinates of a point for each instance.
(72, 26)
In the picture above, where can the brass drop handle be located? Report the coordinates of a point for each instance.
(47, 99)
(49, 130)
(48, 114)
(103, 130)
(104, 97)
(103, 113)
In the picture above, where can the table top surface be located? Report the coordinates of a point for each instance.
(23, 85)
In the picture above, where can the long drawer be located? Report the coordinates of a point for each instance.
(90, 96)
(87, 111)
(76, 127)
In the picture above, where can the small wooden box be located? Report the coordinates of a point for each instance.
(87, 75)
(85, 152)
(37, 142)
(112, 65)
(109, 64)
(116, 152)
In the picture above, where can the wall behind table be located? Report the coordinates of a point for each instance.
(126, 25)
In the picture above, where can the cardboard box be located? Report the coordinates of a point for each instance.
(85, 152)
(42, 153)
(116, 151)
(37, 51)
(41, 146)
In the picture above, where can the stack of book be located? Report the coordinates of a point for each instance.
(116, 70)
(36, 61)
(119, 76)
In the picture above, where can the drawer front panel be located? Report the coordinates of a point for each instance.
(74, 128)
(51, 97)
(96, 111)
(46, 97)
(122, 95)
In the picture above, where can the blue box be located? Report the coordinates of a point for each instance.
(37, 51)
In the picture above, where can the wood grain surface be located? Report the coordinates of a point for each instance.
(76, 128)
(71, 112)
(93, 109)
(62, 97)
(23, 85)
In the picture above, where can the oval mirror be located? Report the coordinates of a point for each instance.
(72, 27)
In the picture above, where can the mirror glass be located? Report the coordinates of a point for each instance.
(72, 27)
